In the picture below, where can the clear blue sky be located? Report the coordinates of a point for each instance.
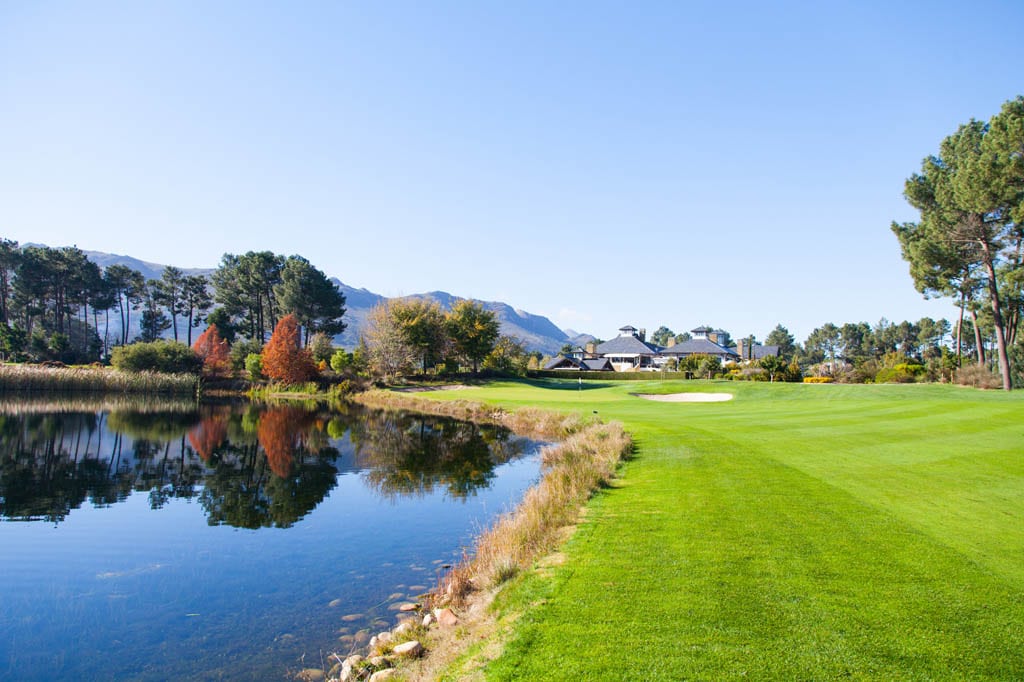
(602, 163)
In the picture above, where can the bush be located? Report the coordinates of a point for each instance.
(320, 347)
(340, 360)
(817, 380)
(254, 366)
(157, 356)
(241, 350)
(977, 376)
(902, 373)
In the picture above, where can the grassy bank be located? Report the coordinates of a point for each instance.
(795, 532)
(34, 378)
(586, 457)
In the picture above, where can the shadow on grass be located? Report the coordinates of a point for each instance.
(566, 384)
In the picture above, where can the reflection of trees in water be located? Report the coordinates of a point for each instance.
(250, 466)
(406, 455)
(275, 486)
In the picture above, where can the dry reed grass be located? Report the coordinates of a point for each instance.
(75, 379)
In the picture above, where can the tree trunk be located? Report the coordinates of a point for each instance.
(979, 344)
(960, 336)
(997, 320)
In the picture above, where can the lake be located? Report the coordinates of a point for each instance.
(157, 540)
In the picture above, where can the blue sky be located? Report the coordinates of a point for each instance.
(599, 163)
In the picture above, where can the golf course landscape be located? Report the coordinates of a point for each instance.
(794, 532)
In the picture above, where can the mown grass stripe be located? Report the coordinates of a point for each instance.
(824, 532)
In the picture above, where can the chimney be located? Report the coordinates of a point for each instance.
(671, 342)
(591, 348)
(643, 334)
(713, 337)
(740, 346)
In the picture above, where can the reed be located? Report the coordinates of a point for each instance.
(572, 471)
(25, 378)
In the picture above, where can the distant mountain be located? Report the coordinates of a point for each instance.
(535, 331)
(578, 339)
(148, 270)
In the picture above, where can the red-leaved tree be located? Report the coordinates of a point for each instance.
(284, 359)
(214, 352)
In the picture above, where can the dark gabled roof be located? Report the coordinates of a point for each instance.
(592, 365)
(702, 330)
(757, 351)
(698, 347)
(626, 345)
(760, 351)
(562, 362)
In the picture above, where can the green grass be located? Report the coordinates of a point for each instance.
(793, 533)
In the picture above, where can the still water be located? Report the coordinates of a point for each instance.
(164, 541)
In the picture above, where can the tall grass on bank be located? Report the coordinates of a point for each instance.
(571, 471)
(18, 378)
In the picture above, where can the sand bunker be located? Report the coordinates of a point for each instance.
(687, 397)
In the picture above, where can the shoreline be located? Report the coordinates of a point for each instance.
(586, 456)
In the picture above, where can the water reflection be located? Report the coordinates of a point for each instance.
(248, 466)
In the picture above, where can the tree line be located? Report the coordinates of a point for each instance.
(55, 301)
(272, 315)
(859, 352)
(968, 243)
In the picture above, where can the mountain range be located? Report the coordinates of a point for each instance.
(535, 331)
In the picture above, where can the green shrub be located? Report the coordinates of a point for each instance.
(171, 357)
(902, 373)
(340, 360)
(254, 366)
(241, 350)
(321, 348)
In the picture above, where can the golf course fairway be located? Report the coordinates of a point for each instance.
(794, 532)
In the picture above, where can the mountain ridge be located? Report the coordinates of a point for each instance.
(537, 332)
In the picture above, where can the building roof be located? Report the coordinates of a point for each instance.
(627, 345)
(701, 346)
(701, 330)
(757, 351)
(592, 364)
(562, 362)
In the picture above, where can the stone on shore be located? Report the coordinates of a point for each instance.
(446, 617)
(382, 675)
(411, 649)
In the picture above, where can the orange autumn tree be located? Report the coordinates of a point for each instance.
(214, 352)
(284, 359)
